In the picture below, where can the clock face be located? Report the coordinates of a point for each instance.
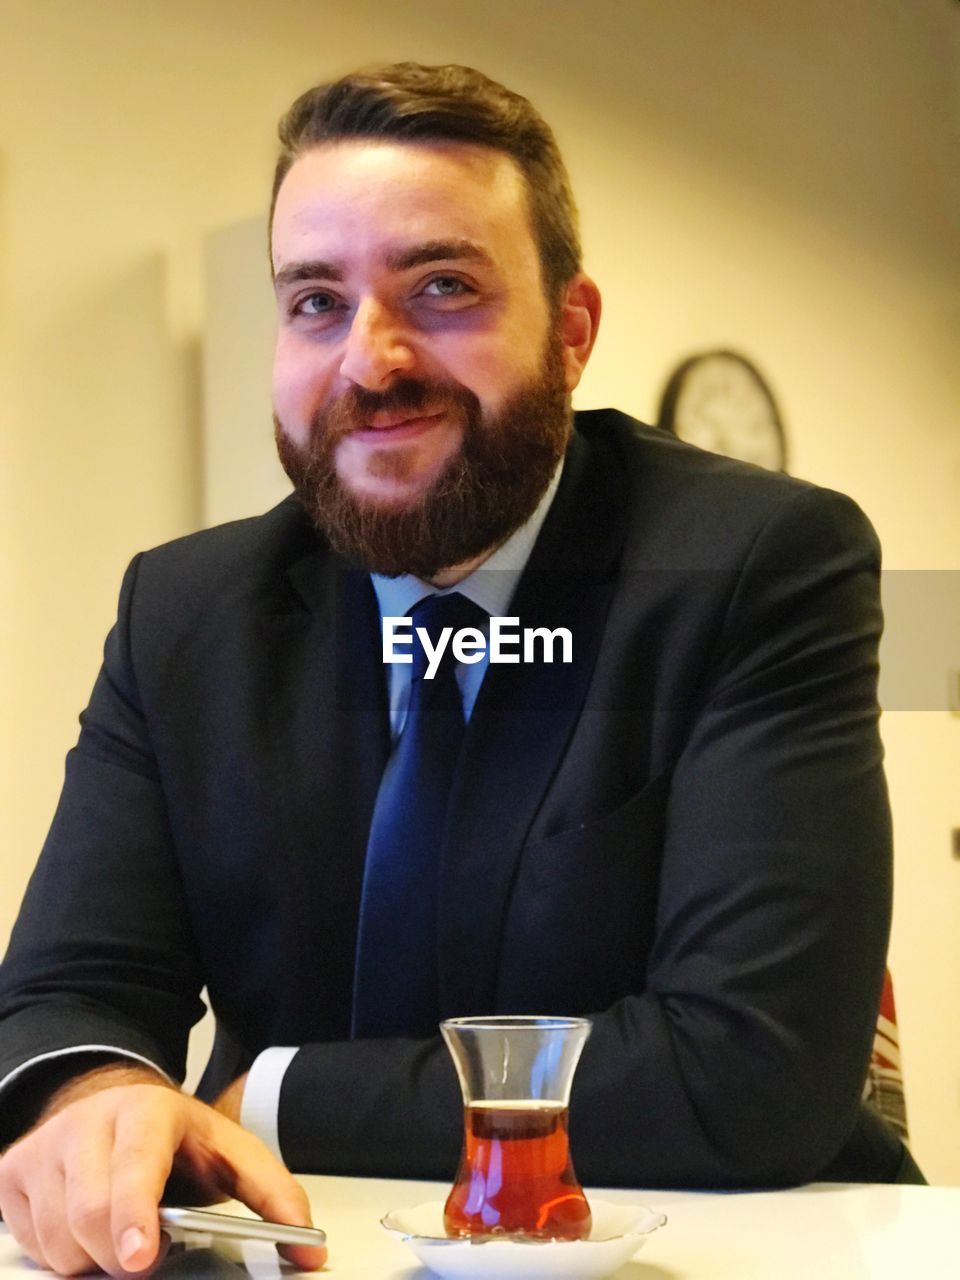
(719, 402)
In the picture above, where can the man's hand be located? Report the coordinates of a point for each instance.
(231, 1100)
(81, 1189)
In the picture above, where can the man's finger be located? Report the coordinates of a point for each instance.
(289, 1204)
(305, 1257)
(19, 1220)
(87, 1190)
(266, 1186)
(293, 1207)
(146, 1136)
(60, 1251)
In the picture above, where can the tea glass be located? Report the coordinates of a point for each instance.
(516, 1177)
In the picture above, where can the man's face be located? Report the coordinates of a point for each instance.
(420, 379)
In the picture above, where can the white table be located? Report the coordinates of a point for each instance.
(827, 1231)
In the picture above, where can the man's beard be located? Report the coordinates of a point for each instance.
(486, 491)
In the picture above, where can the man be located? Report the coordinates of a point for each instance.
(683, 832)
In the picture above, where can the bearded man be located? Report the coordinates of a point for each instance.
(682, 833)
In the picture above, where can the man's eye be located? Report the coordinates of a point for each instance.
(315, 304)
(445, 287)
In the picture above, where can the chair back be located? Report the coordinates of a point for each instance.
(883, 1088)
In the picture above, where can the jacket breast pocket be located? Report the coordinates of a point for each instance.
(581, 912)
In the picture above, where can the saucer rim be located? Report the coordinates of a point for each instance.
(657, 1220)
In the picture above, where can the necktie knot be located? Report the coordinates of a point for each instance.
(432, 615)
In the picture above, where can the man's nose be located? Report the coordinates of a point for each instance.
(377, 347)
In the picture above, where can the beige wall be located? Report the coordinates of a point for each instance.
(779, 178)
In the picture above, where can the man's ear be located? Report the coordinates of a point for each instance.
(579, 315)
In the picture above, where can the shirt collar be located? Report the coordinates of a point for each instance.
(491, 586)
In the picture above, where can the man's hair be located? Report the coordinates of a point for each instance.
(406, 102)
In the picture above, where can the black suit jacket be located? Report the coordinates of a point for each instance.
(684, 833)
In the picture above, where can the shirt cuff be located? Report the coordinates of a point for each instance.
(260, 1105)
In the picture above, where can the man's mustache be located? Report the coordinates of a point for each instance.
(415, 396)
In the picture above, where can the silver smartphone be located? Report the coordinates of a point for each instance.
(227, 1224)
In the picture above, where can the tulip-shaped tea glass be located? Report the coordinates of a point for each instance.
(516, 1177)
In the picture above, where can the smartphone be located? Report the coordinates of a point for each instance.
(227, 1224)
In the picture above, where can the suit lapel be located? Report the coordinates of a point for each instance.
(521, 724)
(330, 739)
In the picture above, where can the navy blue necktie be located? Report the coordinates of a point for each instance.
(396, 977)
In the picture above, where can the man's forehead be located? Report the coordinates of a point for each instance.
(346, 160)
(409, 191)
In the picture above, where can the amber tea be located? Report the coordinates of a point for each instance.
(516, 1176)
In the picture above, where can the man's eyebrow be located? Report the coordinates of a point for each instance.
(397, 260)
(437, 251)
(315, 270)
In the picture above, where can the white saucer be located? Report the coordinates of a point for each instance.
(619, 1230)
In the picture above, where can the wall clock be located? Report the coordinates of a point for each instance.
(721, 402)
